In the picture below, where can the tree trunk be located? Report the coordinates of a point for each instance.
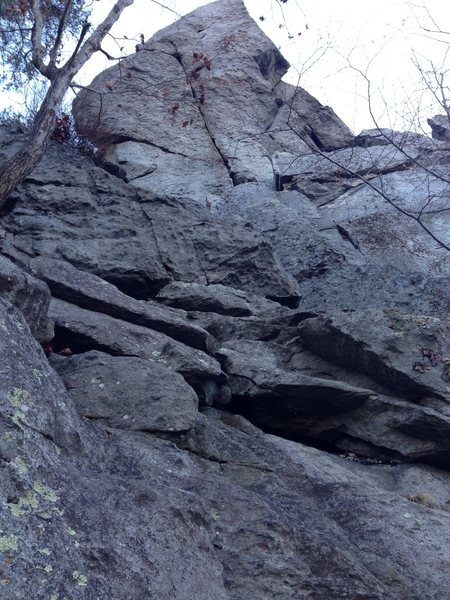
(16, 169)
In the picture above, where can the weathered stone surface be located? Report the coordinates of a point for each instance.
(117, 513)
(219, 299)
(286, 389)
(310, 123)
(29, 295)
(91, 292)
(82, 330)
(128, 392)
(157, 170)
(306, 242)
(202, 93)
(402, 139)
(342, 252)
(406, 353)
(418, 191)
(64, 479)
(71, 210)
(197, 249)
(176, 502)
(323, 177)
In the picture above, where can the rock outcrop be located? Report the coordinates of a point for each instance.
(204, 96)
(225, 352)
(440, 127)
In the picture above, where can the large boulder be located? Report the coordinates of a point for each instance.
(91, 292)
(83, 330)
(128, 392)
(204, 96)
(342, 396)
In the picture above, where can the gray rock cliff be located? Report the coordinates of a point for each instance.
(225, 355)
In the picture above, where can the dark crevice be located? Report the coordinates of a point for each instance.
(289, 301)
(270, 61)
(316, 140)
(315, 271)
(271, 335)
(55, 182)
(138, 289)
(114, 170)
(47, 436)
(209, 389)
(345, 235)
(66, 341)
(142, 175)
(170, 272)
(9, 205)
(358, 357)
(122, 139)
(183, 440)
(333, 442)
(221, 462)
(302, 316)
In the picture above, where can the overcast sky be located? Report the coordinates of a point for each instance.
(336, 38)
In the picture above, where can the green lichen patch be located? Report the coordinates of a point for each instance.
(45, 515)
(22, 505)
(18, 418)
(39, 375)
(18, 397)
(79, 578)
(8, 543)
(21, 466)
(3, 327)
(45, 492)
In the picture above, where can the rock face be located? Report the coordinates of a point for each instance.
(30, 295)
(204, 95)
(70, 210)
(227, 376)
(128, 392)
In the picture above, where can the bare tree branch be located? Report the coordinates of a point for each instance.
(36, 38)
(53, 56)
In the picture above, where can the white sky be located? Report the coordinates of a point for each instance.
(379, 35)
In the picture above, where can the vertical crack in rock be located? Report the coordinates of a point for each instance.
(179, 58)
(161, 258)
